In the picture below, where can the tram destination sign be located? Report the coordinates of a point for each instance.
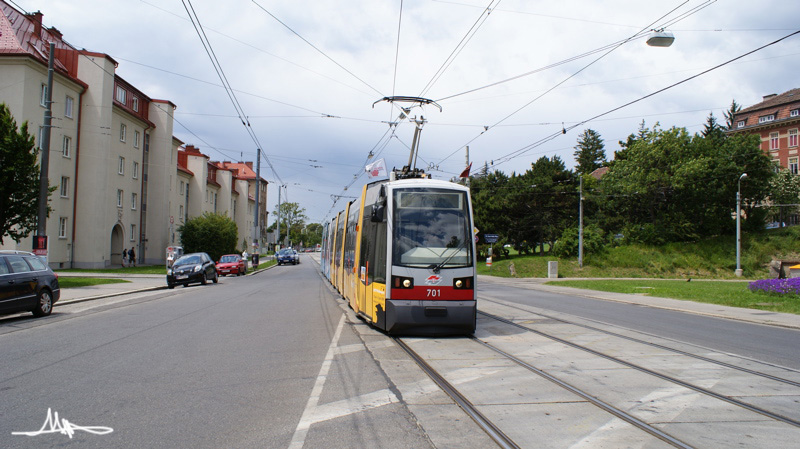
(490, 238)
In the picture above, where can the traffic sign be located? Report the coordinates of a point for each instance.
(490, 238)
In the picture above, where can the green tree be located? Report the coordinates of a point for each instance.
(673, 186)
(784, 194)
(19, 179)
(312, 235)
(712, 129)
(293, 220)
(730, 114)
(590, 153)
(214, 234)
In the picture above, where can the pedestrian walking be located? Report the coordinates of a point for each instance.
(132, 257)
(124, 256)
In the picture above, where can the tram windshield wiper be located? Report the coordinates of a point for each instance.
(436, 267)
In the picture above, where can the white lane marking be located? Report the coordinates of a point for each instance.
(349, 406)
(299, 437)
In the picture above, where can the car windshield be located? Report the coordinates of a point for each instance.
(431, 226)
(285, 252)
(229, 259)
(189, 260)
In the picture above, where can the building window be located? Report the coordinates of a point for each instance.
(64, 191)
(133, 233)
(121, 168)
(135, 170)
(66, 146)
(43, 96)
(119, 198)
(136, 139)
(793, 168)
(135, 104)
(68, 106)
(180, 212)
(121, 94)
(766, 118)
(62, 227)
(740, 124)
(123, 130)
(133, 201)
(773, 141)
(182, 187)
(793, 137)
(794, 113)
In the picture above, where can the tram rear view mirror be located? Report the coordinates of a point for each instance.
(378, 212)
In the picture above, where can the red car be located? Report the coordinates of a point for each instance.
(231, 264)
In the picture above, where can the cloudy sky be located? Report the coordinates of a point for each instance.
(307, 73)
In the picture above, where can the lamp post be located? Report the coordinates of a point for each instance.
(739, 226)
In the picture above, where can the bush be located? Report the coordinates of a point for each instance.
(567, 244)
(214, 234)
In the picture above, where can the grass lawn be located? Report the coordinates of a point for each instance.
(71, 282)
(734, 293)
(147, 269)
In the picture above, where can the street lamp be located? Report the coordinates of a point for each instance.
(660, 38)
(739, 226)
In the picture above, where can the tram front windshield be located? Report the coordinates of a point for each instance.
(431, 227)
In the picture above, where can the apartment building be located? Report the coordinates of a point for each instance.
(777, 120)
(113, 156)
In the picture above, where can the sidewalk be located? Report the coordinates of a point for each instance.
(755, 316)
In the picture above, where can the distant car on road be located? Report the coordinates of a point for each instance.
(190, 268)
(287, 255)
(26, 284)
(231, 264)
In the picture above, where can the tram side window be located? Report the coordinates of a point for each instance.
(379, 264)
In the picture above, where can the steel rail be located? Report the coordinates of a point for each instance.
(656, 345)
(682, 383)
(469, 408)
(627, 417)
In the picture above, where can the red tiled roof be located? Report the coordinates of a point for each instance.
(778, 100)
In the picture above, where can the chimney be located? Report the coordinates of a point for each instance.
(54, 31)
(36, 18)
(249, 164)
(767, 97)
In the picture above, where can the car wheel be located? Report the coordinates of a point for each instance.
(170, 286)
(44, 304)
(185, 285)
(203, 279)
(216, 278)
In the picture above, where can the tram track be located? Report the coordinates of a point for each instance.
(586, 394)
(654, 345)
(662, 376)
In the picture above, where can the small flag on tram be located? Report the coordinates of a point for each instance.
(377, 168)
(465, 173)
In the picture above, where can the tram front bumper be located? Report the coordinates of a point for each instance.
(415, 317)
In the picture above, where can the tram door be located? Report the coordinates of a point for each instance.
(372, 264)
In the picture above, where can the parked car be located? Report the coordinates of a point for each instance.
(27, 284)
(231, 264)
(190, 268)
(287, 255)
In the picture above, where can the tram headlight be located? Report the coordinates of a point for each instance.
(402, 282)
(466, 283)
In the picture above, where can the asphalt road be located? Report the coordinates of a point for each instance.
(223, 365)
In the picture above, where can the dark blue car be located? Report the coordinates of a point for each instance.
(286, 255)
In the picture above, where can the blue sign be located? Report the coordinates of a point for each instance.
(490, 238)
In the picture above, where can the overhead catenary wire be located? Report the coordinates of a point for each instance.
(224, 79)
(523, 150)
(610, 50)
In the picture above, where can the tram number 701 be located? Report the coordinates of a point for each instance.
(434, 293)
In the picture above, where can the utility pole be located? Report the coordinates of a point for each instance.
(466, 181)
(41, 225)
(278, 223)
(257, 230)
(580, 225)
